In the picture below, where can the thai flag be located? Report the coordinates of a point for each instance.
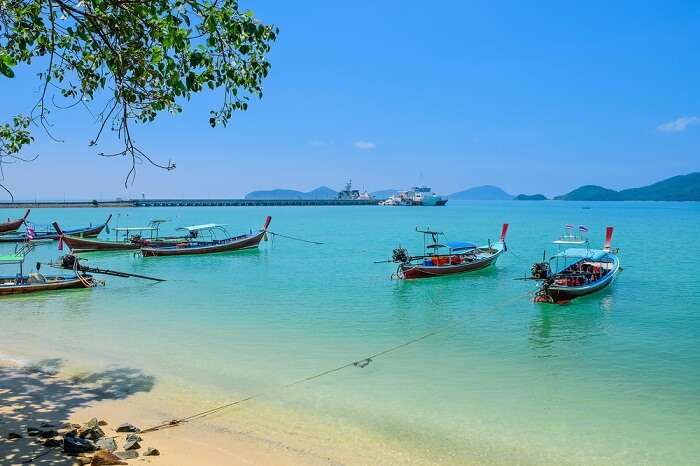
(582, 229)
(31, 234)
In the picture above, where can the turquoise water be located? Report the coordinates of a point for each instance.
(613, 378)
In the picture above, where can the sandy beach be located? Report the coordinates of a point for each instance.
(35, 397)
(38, 395)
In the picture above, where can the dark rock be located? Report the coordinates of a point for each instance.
(132, 436)
(127, 455)
(33, 431)
(53, 442)
(92, 433)
(13, 435)
(106, 443)
(46, 425)
(102, 422)
(126, 427)
(75, 445)
(150, 451)
(131, 445)
(48, 433)
(71, 433)
(103, 458)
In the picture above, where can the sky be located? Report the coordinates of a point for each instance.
(538, 98)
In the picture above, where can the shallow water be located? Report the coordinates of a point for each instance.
(610, 378)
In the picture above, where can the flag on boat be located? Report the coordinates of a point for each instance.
(31, 233)
(582, 229)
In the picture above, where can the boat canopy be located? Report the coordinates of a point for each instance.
(135, 229)
(11, 259)
(574, 240)
(460, 245)
(593, 254)
(207, 226)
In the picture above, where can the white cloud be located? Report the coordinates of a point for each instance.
(678, 125)
(365, 145)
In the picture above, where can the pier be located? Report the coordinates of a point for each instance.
(123, 203)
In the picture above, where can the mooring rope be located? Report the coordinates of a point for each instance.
(361, 363)
(293, 238)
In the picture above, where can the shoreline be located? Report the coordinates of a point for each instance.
(39, 393)
(35, 396)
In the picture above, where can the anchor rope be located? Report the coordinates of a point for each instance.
(293, 238)
(361, 363)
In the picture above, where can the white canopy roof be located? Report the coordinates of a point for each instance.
(206, 226)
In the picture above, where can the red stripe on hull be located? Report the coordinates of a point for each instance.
(421, 271)
(244, 243)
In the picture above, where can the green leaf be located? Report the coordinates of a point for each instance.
(6, 70)
(156, 55)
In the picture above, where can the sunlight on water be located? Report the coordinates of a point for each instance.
(610, 378)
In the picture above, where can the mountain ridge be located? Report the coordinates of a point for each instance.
(675, 188)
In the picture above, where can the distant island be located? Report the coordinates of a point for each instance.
(322, 192)
(677, 188)
(482, 193)
(530, 197)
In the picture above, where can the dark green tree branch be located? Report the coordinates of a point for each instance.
(132, 58)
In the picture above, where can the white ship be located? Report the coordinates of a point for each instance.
(422, 195)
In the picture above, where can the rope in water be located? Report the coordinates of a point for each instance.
(361, 363)
(293, 238)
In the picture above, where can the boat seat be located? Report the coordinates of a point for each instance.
(36, 278)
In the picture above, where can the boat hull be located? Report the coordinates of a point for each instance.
(13, 225)
(410, 272)
(560, 293)
(194, 247)
(86, 232)
(77, 244)
(51, 284)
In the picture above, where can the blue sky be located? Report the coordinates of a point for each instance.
(539, 98)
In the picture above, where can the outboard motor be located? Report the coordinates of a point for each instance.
(400, 255)
(540, 270)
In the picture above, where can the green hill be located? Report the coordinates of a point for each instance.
(677, 188)
(590, 193)
(530, 197)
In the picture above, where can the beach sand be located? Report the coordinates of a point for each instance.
(34, 394)
(31, 397)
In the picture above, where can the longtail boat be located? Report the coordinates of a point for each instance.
(12, 225)
(576, 271)
(50, 234)
(36, 281)
(197, 245)
(440, 259)
(126, 239)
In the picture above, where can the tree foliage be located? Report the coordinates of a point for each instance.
(129, 61)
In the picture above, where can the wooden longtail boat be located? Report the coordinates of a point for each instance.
(128, 242)
(213, 245)
(36, 281)
(459, 257)
(12, 225)
(51, 235)
(575, 272)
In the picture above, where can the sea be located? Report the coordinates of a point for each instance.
(611, 378)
